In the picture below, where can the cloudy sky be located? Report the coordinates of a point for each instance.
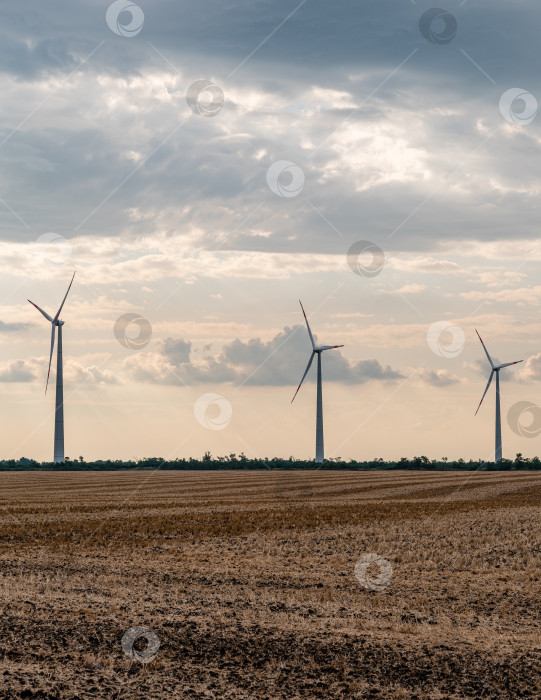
(376, 159)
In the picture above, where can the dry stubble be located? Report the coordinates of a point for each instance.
(247, 579)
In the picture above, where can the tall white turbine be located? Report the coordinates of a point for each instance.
(495, 371)
(316, 350)
(59, 411)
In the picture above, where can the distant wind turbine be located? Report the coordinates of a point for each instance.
(59, 412)
(316, 350)
(495, 371)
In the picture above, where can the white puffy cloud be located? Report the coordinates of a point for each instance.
(17, 371)
(438, 378)
(277, 362)
(531, 370)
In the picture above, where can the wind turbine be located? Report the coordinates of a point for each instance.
(316, 350)
(59, 411)
(495, 371)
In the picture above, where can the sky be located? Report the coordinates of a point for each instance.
(203, 166)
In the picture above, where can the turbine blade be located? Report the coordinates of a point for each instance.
(41, 311)
(63, 300)
(484, 348)
(304, 375)
(330, 347)
(307, 325)
(488, 384)
(50, 356)
(508, 364)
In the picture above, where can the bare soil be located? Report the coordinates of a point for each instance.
(248, 581)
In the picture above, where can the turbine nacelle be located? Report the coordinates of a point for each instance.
(495, 370)
(55, 322)
(316, 350)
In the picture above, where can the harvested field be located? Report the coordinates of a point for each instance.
(248, 581)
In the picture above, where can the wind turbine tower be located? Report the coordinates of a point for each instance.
(56, 323)
(316, 350)
(495, 371)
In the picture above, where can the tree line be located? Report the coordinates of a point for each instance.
(241, 461)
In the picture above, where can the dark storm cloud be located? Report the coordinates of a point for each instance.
(69, 166)
(45, 37)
